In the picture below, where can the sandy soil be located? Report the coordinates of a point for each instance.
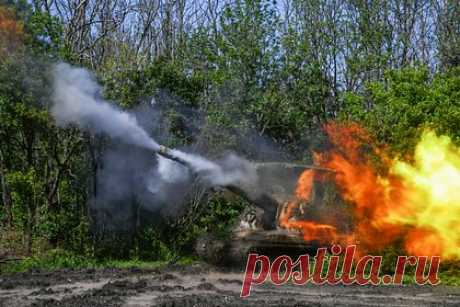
(198, 285)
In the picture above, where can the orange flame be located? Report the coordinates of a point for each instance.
(310, 230)
(372, 196)
(417, 204)
(305, 185)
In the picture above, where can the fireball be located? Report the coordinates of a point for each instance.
(416, 202)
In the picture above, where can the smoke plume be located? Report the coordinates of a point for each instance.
(76, 102)
(135, 171)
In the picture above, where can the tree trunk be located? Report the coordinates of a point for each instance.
(6, 195)
(28, 230)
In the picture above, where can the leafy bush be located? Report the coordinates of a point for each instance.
(406, 101)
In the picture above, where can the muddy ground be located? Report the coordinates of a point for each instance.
(198, 285)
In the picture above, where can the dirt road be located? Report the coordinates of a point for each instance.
(198, 285)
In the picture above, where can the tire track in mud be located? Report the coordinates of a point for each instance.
(198, 285)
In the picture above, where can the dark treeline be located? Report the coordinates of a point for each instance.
(226, 74)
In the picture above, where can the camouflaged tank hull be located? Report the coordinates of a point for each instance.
(275, 187)
(257, 229)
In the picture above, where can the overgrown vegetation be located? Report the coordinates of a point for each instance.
(247, 67)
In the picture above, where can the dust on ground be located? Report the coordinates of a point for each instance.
(198, 285)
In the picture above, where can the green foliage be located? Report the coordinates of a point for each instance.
(45, 32)
(449, 273)
(51, 260)
(131, 85)
(220, 215)
(246, 70)
(61, 259)
(143, 244)
(406, 101)
(172, 239)
(216, 216)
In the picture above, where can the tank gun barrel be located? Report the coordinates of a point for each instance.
(169, 154)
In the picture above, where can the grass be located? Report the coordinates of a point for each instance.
(449, 272)
(449, 280)
(58, 259)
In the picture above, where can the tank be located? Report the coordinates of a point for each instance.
(258, 229)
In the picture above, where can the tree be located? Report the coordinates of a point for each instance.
(404, 103)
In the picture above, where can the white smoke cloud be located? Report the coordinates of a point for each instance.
(232, 170)
(75, 102)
